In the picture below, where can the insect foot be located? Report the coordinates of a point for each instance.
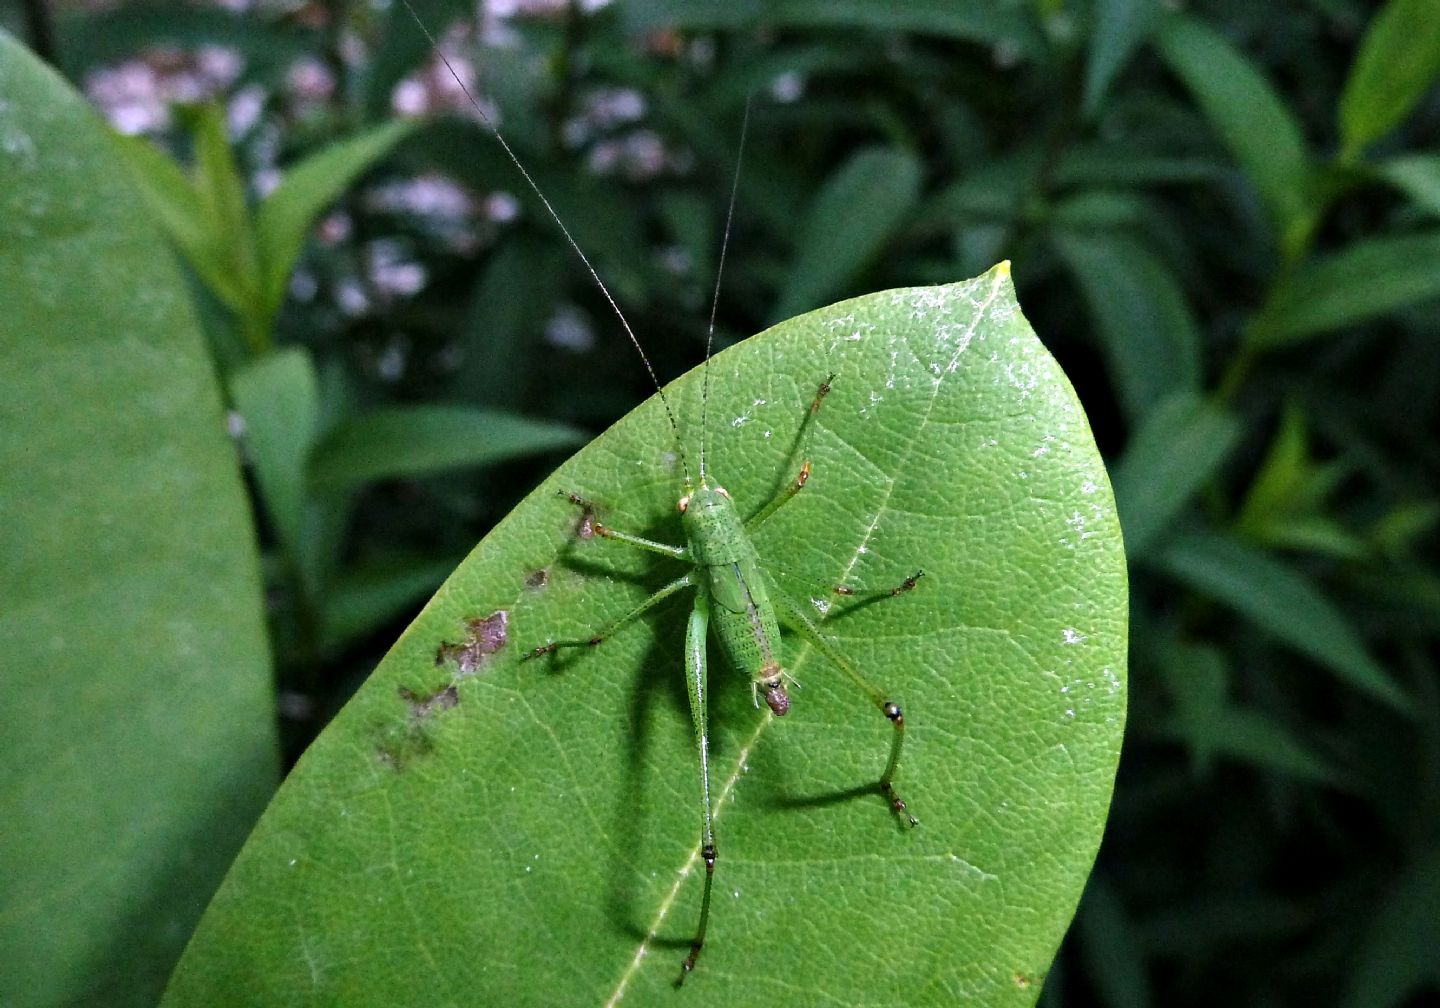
(887, 788)
(589, 525)
(708, 853)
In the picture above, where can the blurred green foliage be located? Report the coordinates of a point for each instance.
(1223, 222)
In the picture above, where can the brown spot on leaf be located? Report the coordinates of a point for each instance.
(483, 637)
(400, 744)
(422, 706)
(588, 526)
(537, 580)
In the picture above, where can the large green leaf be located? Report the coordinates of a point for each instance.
(138, 733)
(487, 831)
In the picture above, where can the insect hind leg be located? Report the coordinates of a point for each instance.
(793, 617)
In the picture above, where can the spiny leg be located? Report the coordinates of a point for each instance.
(865, 595)
(695, 630)
(802, 447)
(679, 584)
(793, 616)
(860, 596)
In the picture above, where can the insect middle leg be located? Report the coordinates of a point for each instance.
(684, 581)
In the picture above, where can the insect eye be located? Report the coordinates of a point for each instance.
(723, 492)
(683, 504)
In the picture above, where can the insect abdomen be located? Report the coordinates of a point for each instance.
(743, 617)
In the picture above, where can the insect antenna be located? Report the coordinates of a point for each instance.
(569, 238)
(719, 274)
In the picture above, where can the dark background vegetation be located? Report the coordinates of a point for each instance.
(1224, 230)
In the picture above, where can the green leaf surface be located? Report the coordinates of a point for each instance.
(221, 189)
(487, 831)
(138, 732)
(285, 217)
(1151, 341)
(1279, 599)
(1120, 26)
(278, 399)
(999, 24)
(367, 594)
(1398, 60)
(1417, 176)
(1367, 279)
(418, 440)
(1395, 964)
(1247, 113)
(1180, 445)
(1253, 736)
(851, 218)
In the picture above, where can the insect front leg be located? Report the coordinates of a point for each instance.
(793, 617)
(679, 584)
(802, 451)
(591, 526)
(695, 689)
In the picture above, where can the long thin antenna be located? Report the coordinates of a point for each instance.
(719, 274)
(594, 274)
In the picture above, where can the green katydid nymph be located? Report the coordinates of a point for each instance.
(734, 599)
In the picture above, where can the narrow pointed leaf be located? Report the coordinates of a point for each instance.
(418, 440)
(1120, 26)
(1279, 599)
(1247, 113)
(1180, 445)
(278, 399)
(1417, 176)
(221, 189)
(287, 214)
(1150, 339)
(996, 23)
(848, 223)
(1360, 283)
(1398, 60)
